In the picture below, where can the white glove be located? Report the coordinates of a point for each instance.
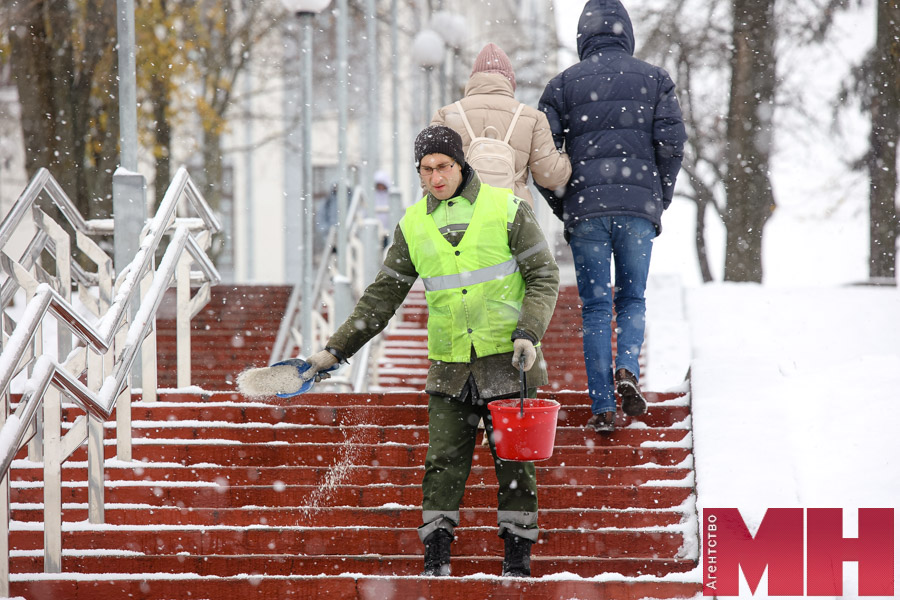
(319, 361)
(524, 347)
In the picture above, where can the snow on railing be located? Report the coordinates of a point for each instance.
(95, 374)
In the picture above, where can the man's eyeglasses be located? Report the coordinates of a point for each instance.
(441, 169)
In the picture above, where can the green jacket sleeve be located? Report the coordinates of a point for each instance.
(538, 268)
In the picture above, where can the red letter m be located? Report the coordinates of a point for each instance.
(778, 544)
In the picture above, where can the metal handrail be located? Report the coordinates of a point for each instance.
(289, 334)
(97, 338)
(43, 182)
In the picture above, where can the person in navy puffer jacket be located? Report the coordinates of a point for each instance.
(619, 120)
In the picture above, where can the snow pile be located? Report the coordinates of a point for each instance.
(793, 396)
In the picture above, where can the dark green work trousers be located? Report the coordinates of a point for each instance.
(452, 427)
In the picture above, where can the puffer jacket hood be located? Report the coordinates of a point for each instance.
(604, 24)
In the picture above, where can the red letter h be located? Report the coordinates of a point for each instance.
(873, 550)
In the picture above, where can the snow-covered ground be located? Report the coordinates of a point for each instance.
(794, 387)
(795, 382)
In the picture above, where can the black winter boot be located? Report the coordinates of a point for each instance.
(633, 402)
(437, 553)
(517, 557)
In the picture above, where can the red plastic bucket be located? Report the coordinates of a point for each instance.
(525, 438)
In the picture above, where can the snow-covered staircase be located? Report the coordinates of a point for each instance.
(236, 328)
(319, 497)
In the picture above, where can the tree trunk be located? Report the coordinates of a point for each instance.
(749, 138)
(65, 99)
(883, 139)
(163, 132)
(705, 198)
(212, 178)
(43, 68)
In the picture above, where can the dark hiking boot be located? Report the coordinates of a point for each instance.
(437, 553)
(517, 556)
(603, 422)
(633, 403)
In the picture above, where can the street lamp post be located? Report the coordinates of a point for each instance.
(453, 30)
(129, 186)
(395, 97)
(306, 10)
(428, 48)
(371, 162)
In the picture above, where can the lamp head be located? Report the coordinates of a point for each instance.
(305, 6)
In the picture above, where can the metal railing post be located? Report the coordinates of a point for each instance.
(52, 482)
(396, 206)
(4, 508)
(96, 458)
(183, 321)
(149, 379)
(371, 243)
(36, 445)
(123, 410)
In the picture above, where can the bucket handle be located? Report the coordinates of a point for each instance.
(522, 386)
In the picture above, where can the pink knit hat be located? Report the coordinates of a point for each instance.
(492, 59)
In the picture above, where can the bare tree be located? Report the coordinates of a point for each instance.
(749, 134)
(65, 75)
(161, 69)
(690, 43)
(221, 36)
(884, 112)
(875, 84)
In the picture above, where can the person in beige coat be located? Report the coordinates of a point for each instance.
(490, 101)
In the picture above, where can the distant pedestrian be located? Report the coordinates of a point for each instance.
(489, 101)
(620, 122)
(381, 202)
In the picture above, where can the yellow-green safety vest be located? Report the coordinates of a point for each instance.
(474, 290)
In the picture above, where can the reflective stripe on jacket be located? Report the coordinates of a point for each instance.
(474, 290)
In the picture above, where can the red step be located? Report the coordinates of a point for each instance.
(293, 433)
(259, 540)
(215, 495)
(349, 516)
(347, 587)
(362, 475)
(273, 563)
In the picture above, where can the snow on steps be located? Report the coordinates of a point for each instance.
(321, 500)
(236, 329)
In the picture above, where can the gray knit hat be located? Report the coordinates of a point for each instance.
(437, 139)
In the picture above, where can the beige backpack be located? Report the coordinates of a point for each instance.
(493, 158)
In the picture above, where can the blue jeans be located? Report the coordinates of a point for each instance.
(595, 243)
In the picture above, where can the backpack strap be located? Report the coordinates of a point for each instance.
(509, 132)
(462, 113)
(512, 124)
